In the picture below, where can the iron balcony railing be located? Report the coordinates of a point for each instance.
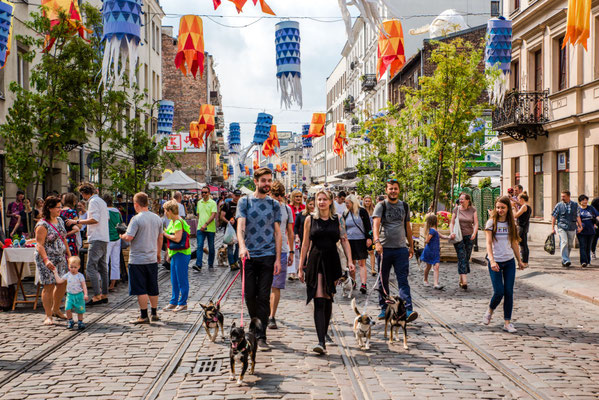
(368, 82)
(522, 115)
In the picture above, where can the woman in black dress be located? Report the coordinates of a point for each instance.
(298, 229)
(320, 266)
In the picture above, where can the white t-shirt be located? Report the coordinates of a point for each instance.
(340, 208)
(182, 212)
(74, 282)
(502, 248)
(286, 218)
(98, 210)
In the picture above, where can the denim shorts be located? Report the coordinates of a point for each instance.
(278, 281)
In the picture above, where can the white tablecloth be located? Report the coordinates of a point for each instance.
(17, 255)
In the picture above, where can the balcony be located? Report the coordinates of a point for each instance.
(349, 104)
(368, 82)
(522, 115)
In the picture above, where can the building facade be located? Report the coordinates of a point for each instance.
(550, 123)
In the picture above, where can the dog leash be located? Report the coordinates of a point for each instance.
(242, 287)
(378, 277)
(229, 287)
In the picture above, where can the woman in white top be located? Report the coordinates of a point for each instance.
(502, 247)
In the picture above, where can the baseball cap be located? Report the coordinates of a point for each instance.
(237, 192)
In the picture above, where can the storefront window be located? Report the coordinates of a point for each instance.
(563, 172)
(537, 205)
(516, 171)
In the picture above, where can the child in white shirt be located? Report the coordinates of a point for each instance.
(76, 292)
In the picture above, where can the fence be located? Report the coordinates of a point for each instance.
(483, 200)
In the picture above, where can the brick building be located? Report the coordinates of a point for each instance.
(188, 94)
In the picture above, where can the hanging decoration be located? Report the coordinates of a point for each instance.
(52, 10)
(166, 112)
(256, 164)
(6, 18)
(287, 41)
(317, 125)
(278, 168)
(225, 171)
(271, 166)
(234, 138)
(391, 53)
(190, 45)
(369, 11)
(284, 167)
(196, 139)
(340, 140)
(268, 149)
(217, 159)
(293, 169)
(262, 128)
(240, 3)
(306, 144)
(578, 22)
(206, 121)
(122, 37)
(247, 170)
(498, 53)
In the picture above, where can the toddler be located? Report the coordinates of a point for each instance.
(76, 292)
(431, 253)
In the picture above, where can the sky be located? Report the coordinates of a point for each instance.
(245, 57)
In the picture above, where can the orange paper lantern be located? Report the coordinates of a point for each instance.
(256, 165)
(268, 149)
(391, 53)
(240, 3)
(225, 172)
(196, 139)
(340, 140)
(247, 170)
(317, 125)
(190, 50)
(206, 121)
(52, 10)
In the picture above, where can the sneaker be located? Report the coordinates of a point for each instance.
(328, 338)
(487, 318)
(363, 288)
(80, 325)
(140, 320)
(509, 328)
(272, 323)
(568, 263)
(593, 256)
(156, 318)
(180, 308)
(197, 268)
(211, 267)
(262, 345)
(382, 314)
(319, 349)
(584, 265)
(411, 316)
(70, 324)
(425, 283)
(438, 287)
(170, 307)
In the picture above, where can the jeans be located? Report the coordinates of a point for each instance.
(585, 242)
(399, 259)
(258, 281)
(524, 251)
(97, 267)
(232, 253)
(595, 239)
(114, 255)
(503, 286)
(180, 278)
(464, 251)
(566, 243)
(211, 252)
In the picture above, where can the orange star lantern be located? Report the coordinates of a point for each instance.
(247, 170)
(206, 121)
(391, 52)
(284, 167)
(317, 125)
(196, 139)
(240, 3)
(256, 165)
(190, 50)
(268, 149)
(578, 22)
(278, 168)
(225, 172)
(340, 140)
(52, 10)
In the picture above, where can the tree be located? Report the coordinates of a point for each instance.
(48, 117)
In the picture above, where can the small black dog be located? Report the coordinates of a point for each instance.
(243, 348)
(395, 316)
(213, 318)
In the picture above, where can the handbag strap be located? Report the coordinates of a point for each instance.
(56, 230)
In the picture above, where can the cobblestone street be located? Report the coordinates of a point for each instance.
(451, 354)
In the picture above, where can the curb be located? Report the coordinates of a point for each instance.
(584, 294)
(479, 261)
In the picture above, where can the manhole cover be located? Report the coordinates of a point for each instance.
(207, 366)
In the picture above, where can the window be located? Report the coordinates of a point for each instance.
(22, 70)
(516, 75)
(516, 5)
(153, 33)
(495, 8)
(516, 171)
(561, 64)
(538, 72)
(537, 201)
(563, 172)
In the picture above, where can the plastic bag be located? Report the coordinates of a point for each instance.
(550, 244)
(230, 235)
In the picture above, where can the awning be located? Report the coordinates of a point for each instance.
(178, 180)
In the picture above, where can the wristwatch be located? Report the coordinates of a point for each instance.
(377, 241)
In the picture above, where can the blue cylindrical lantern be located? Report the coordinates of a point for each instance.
(262, 128)
(166, 112)
(6, 10)
(122, 35)
(306, 141)
(270, 166)
(499, 44)
(293, 168)
(287, 41)
(234, 138)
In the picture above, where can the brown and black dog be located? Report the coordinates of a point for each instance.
(213, 319)
(395, 317)
(362, 327)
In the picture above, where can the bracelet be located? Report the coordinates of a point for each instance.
(377, 241)
(291, 251)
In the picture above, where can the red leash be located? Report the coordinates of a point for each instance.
(242, 287)
(229, 287)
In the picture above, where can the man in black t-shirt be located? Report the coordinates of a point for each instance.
(227, 214)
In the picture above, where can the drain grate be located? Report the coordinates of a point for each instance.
(205, 366)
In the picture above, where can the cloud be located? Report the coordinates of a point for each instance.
(245, 57)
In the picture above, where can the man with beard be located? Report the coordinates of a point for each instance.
(392, 234)
(260, 240)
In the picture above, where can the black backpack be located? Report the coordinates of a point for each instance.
(406, 209)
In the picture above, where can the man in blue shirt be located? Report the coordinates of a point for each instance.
(260, 241)
(567, 216)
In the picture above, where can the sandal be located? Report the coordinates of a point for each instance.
(48, 321)
(59, 315)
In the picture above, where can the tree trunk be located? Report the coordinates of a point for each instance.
(455, 161)
(438, 182)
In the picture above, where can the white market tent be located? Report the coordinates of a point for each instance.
(178, 180)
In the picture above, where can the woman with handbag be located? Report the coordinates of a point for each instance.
(51, 251)
(359, 231)
(464, 228)
(177, 234)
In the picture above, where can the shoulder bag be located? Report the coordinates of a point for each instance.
(457, 229)
(183, 244)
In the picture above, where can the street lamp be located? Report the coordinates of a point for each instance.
(329, 119)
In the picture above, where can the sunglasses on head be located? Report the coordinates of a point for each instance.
(392, 180)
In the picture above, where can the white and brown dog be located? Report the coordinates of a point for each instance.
(362, 327)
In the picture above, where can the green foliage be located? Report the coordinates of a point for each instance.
(485, 182)
(50, 112)
(246, 181)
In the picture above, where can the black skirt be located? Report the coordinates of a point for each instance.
(359, 251)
